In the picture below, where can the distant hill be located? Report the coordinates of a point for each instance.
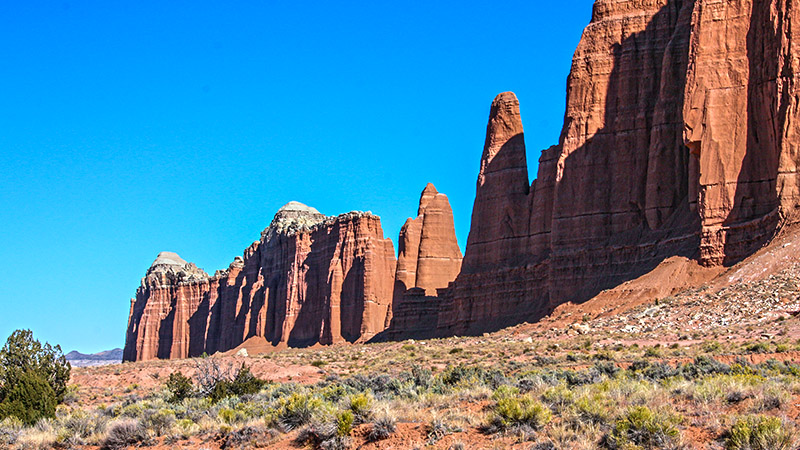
(78, 359)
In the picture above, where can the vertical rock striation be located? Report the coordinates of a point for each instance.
(429, 260)
(679, 138)
(310, 279)
(429, 257)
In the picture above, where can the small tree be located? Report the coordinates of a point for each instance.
(179, 387)
(30, 374)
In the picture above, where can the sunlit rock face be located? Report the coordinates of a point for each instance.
(310, 279)
(679, 139)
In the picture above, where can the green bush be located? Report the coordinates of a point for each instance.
(757, 347)
(297, 410)
(595, 408)
(344, 423)
(245, 383)
(159, 421)
(361, 407)
(517, 410)
(179, 386)
(642, 428)
(759, 433)
(29, 399)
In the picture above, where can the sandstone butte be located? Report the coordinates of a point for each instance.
(679, 140)
(309, 280)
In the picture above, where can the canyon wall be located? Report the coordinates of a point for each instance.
(310, 279)
(679, 138)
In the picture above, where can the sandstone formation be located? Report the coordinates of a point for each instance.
(679, 143)
(429, 260)
(310, 279)
(679, 140)
(429, 257)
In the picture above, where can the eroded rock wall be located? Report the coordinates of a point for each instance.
(310, 279)
(679, 139)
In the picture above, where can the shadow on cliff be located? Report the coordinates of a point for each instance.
(332, 309)
(754, 217)
(634, 170)
(616, 240)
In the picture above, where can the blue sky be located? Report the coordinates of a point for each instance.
(133, 127)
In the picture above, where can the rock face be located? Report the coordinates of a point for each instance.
(429, 257)
(310, 279)
(680, 139)
(429, 260)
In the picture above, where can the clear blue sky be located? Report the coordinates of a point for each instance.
(133, 127)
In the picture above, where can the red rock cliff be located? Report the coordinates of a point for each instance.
(679, 139)
(310, 279)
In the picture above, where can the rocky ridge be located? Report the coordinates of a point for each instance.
(678, 142)
(310, 279)
(677, 158)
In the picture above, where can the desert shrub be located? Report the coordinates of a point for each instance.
(702, 366)
(775, 367)
(243, 383)
(231, 416)
(318, 363)
(186, 427)
(327, 434)
(344, 423)
(471, 375)
(10, 430)
(646, 429)
(652, 371)
(422, 377)
(159, 421)
(334, 392)
(382, 428)
(712, 347)
(123, 434)
(71, 396)
(82, 425)
(558, 397)
(249, 437)
(29, 399)
(595, 408)
(653, 352)
(604, 355)
(574, 378)
(608, 369)
(361, 407)
(297, 410)
(179, 387)
(759, 433)
(511, 410)
(757, 347)
(771, 397)
(209, 373)
(437, 429)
